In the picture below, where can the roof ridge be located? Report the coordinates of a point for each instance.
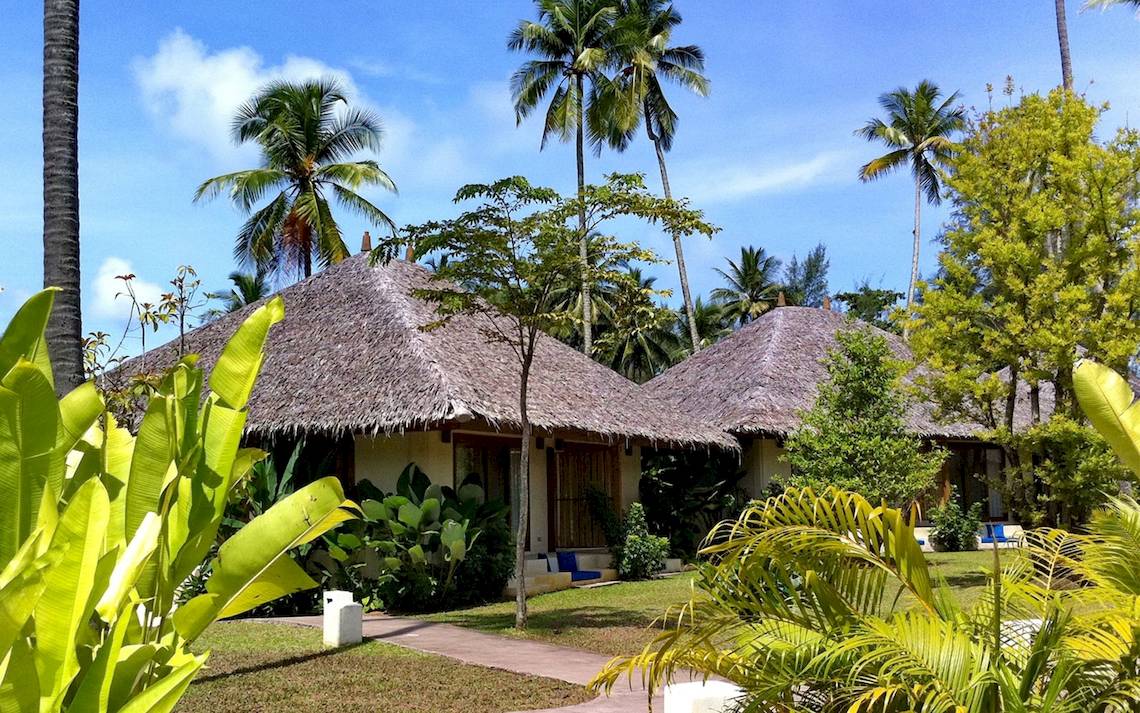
(420, 344)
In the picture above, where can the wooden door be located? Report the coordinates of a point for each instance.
(578, 469)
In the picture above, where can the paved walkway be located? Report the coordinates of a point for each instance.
(533, 658)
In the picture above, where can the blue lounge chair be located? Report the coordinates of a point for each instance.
(995, 532)
(568, 562)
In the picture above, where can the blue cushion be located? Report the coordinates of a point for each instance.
(567, 562)
(579, 575)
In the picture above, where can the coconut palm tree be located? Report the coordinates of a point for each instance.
(752, 286)
(1105, 4)
(800, 602)
(247, 289)
(307, 134)
(61, 190)
(918, 130)
(645, 61)
(638, 340)
(712, 325)
(1063, 42)
(571, 40)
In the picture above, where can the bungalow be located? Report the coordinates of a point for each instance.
(352, 366)
(755, 383)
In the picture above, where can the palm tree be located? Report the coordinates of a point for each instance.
(307, 135)
(646, 60)
(712, 324)
(1105, 4)
(1063, 41)
(61, 190)
(570, 38)
(752, 286)
(247, 289)
(918, 128)
(639, 340)
(799, 602)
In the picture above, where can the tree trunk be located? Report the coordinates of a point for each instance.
(684, 275)
(914, 250)
(584, 243)
(1063, 41)
(61, 190)
(523, 514)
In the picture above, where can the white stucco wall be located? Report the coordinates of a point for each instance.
(762, 464)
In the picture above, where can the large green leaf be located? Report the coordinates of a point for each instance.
(152, 459)
(94, 690)
(64, 610)
(234, 374)
(162, 695)
(128, 567)
(1107, 400)
(253, 554)
(24, 336)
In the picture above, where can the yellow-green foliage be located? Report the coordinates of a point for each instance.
(796, 604)
(99, 527)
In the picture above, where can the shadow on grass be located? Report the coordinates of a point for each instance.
(555, 619)
(276, 663)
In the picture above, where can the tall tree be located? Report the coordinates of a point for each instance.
(751, 285)
(61, 190)
(1103, 4)
(246, 289)
(639, 341)
(805, 282)
(712, 323)
(918, 129)
(872, 305)
(1063, 42)
(307, 134)
(645, 60)
(571, 39)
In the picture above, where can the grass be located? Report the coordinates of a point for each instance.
(271, 667)
(616, 620)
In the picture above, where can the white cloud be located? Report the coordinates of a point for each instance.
(735, 181)
(195, 92)
(109, 293)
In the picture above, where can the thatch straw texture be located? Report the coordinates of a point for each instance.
(759, 379)
(350, 357)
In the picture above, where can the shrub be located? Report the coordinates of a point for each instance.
(686, 493)
(955, 530)
(99, 527)
(642, 554)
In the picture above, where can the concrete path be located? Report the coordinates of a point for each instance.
(532, 658)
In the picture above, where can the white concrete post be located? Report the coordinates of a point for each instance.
(343, 619)
(701, 697)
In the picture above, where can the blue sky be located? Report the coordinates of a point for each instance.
(770, 155)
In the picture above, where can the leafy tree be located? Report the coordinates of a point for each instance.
(307, 133)
(751, 285)
(798, 603)
(571, 39)
(508, 256)
(872, 305)
(645, 60)
(1041, 263)
(918, 130)
(805, 283)
(100, 527)
(855, 437)
(638, 339)
(61, 189)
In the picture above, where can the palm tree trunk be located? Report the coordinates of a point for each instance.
(1063, 41)
(682, 272)
(523, 513)
(583, 245)
(61, 189)
(917, 242)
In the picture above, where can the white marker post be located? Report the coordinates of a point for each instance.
(343, 619)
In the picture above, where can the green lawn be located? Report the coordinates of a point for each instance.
(616, 620)
(271, 667)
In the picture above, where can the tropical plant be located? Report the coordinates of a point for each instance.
(952, 529)
(644, 61)
(642, 554)
(918, 130)
(1063, 43)
(799, 603)
(752, 285)
(637, 339)
(805, 282)
(686, 493)
(307, 133)
(61, 189)
(712, 324)
(247, 288)
(872, 305)
(571, 40)
(855, 437)
(1104, 4)
(99, 528)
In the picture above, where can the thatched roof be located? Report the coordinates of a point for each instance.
(759, 379)
(350, 357)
